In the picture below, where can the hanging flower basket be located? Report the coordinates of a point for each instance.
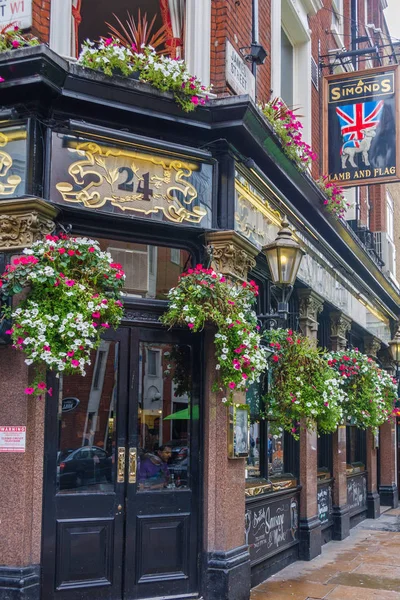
(73, 297)
(302, 385)
(204, 297)
(371, 392)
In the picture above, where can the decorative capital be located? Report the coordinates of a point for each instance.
(372, 345)
(24, 221)
(310, 306)
(340, 326)
(232, 255)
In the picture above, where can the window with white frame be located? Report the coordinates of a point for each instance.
(287, 59)
(391, 250)
(337, 21)
(291, 57)
(390, 216)
(187, 26)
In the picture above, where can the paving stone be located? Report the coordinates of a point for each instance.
(343, 592)
(365, 566)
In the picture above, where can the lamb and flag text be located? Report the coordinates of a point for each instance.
(361, 138)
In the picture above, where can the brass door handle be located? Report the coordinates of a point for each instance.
(132, 465)
(121, 465)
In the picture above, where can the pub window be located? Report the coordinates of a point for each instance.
(272, 463)
(149, 270)
(91, 19)
(355, 449)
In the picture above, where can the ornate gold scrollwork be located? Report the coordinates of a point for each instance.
(99, 171)
(6, 162)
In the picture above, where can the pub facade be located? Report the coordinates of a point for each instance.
(114, 160)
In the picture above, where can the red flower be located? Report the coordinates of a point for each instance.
(61, 250)
(91, 249)
(96, 315)
(232, 385)
(71, 252)
(29, 391)
(275, 358)
(75, 363)
(41, 385)
(50, 391)
(190, 325)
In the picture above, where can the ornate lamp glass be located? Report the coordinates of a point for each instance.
(394, 346)
(284, 257)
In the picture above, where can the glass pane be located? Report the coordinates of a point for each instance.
(275, 450)
(151, 271)
(253, 399)
(86, 419)
(165, 414)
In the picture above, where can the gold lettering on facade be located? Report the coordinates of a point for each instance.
(255, 219)
(132, 181)
(8, 187)
(360, 88)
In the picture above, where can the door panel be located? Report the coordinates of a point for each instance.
(162, 505)
(122, 472)
(84, 518)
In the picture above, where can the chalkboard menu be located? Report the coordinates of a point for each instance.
(271, 525)
(324, 501)
(357, 493)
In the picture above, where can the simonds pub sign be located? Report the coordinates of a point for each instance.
(361, 139)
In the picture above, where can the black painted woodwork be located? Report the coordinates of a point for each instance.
(148, 548)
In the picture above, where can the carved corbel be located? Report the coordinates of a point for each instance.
(231, 254)
(24, 221)
(310, 306)
(340, 326)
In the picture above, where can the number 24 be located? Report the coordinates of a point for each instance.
(143, 186)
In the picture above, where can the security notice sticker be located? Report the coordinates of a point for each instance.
(12, 438)
(361, 122)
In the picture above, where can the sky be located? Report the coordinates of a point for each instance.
(392, 15)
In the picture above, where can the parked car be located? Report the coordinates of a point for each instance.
(84, 466)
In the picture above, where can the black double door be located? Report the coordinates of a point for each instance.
(121, 493)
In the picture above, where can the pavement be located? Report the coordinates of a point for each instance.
(364, 566)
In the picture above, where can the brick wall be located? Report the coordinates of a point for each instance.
(41, 19)
(232, 20)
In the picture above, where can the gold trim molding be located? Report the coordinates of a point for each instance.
(23, 221)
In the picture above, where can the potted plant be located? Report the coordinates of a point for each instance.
(12, 38)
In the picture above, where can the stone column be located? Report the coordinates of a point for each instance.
(309, 525)
(372, 346)
(227, 560)
(340, 325)
(22, 222)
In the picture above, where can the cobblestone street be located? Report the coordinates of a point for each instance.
(365, 566)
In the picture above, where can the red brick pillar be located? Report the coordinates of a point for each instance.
(388, 491)
(21, 472)
(309, 526)
(340, 325)
(227, 564)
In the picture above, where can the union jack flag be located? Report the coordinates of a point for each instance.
(354, 119)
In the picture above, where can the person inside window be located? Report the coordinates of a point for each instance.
(153, 468)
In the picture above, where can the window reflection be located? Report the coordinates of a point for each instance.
(165, 413)
(151, 271)
(86, 447)
(275, 450)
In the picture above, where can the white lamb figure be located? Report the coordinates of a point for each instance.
(351, 148)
